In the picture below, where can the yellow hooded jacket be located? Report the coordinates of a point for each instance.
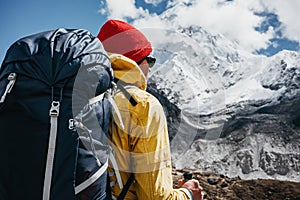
(142, 147)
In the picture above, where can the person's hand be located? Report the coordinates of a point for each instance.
(192, 185)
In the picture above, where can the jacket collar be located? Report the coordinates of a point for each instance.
(127, 71)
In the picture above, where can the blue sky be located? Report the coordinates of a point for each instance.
(20, 18)
(264, 28)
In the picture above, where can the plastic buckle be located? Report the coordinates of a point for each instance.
(71, 124)
(54, 110)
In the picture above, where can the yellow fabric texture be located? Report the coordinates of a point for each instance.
(142, 146)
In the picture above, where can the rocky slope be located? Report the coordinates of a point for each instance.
(252, 144)
(220, 187)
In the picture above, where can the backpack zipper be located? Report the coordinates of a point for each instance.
(12, 79)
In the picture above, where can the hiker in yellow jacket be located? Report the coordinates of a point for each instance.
(140, 140)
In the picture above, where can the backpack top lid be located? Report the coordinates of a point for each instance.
(53, 56)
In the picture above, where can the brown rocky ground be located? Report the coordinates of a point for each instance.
(219, 187)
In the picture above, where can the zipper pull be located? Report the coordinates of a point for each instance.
(12, 79)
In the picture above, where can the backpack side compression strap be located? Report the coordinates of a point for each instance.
(92, 179)
(54, 112)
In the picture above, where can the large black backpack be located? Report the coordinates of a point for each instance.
(53, 88)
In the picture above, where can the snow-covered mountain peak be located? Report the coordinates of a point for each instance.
(222, 90)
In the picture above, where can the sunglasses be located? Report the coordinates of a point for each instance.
(150, 60)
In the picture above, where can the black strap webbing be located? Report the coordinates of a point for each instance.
(121, 86)
(126, 187)
(127, 95)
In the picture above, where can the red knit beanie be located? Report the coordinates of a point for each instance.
(122, 38)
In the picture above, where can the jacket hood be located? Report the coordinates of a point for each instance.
(127, 71)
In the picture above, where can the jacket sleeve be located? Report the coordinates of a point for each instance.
(151, 157)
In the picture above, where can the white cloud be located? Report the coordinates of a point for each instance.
(288, 13)
(150, 21)
(154, 2)
(235, 19)
(123, 9)
(142, 18)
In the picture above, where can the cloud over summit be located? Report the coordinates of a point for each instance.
(238, 20)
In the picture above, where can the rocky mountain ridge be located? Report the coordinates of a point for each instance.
(229, 111)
